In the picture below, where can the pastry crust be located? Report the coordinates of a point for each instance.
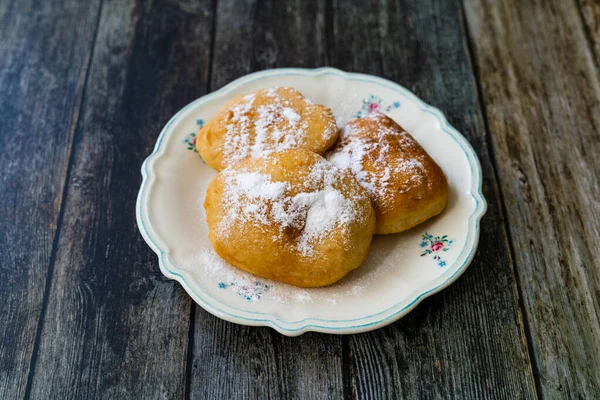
(265, 121)
(405, 184)
(291, 217)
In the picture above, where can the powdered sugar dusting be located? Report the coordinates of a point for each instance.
(272, 92)
(255, 129)
(291, 115)
(358, 146)
(325, 210)
(210, 264)
(255, 185)
(253, 198)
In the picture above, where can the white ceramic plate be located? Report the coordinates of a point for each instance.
(401, 269)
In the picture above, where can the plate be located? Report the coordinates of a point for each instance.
(401, 269)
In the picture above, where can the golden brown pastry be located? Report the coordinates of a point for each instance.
(265, 121)
(292, 217)
(405, 185)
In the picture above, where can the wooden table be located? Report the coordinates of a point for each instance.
(85, 88)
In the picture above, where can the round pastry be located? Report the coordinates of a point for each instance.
(265, 121)
(291, 217)
(405, 185)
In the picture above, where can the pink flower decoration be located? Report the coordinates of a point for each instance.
(193, 141)
(373, 107)
(437, 246)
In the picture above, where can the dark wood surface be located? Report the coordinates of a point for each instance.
(98, 337)
(44, 58)
(424, 48)
(542, 104)
(85, 88)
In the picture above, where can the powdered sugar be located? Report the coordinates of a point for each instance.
(357, 148)
(291, 115)
(255, 185)
(325, 210)
(258, 128)
(208, 263)
(303, 296)
(253, 198)
(272, 92)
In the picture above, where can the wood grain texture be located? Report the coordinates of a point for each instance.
(232, 361)
(86, 312)
(115, 327)
(467, 341)
(542, 96)
(590, 12)
(253, 35)
(42, 73)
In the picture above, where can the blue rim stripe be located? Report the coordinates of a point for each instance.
(275, 322)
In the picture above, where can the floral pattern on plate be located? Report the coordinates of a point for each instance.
(435, 245)
(373, 104)
(247, 291)
(190, 139)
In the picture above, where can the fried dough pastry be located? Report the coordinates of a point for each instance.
(405, 185)
(291, 216)
(265, 121)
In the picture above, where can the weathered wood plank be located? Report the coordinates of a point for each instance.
(44, 54)
(115, 328)
(232, 361)
(542, 96)
(253, 35)
(590, 12)
(468, 341)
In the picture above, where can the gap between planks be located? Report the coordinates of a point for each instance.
(191, 331)
(61, 212)
(503, 210)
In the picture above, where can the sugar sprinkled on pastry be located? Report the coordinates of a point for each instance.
(405, 184)
(292, 217)
(265, 121)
